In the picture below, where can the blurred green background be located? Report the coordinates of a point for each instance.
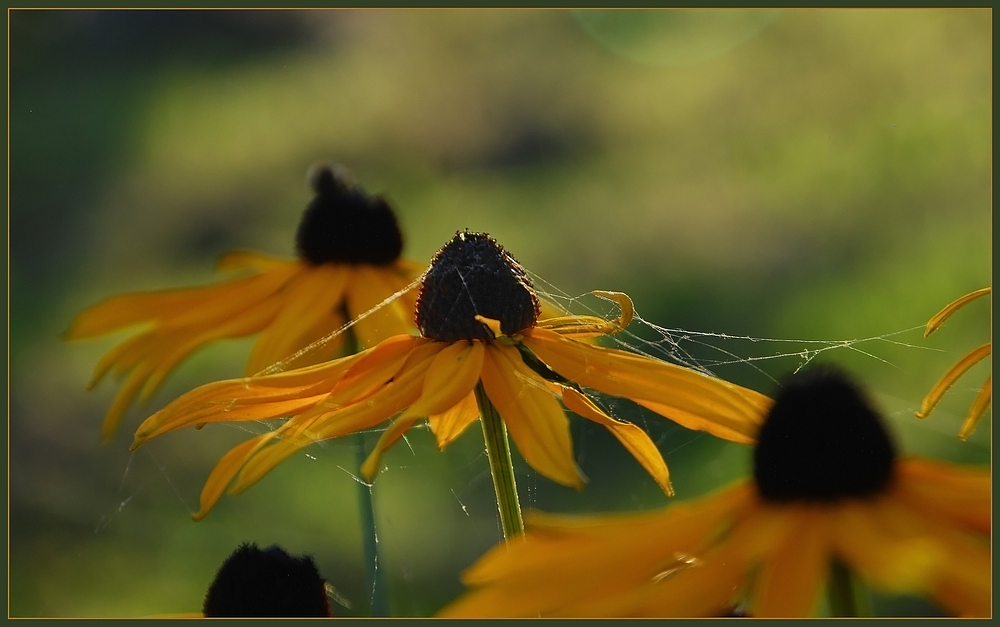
(809, 175)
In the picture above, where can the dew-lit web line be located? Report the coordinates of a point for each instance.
(669, 346)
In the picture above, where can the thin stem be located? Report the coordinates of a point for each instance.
(842, 592)
(374, 576)
(501, 465)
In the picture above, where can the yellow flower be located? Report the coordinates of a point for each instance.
(349, 247)
(827, 488)
(985, 395)
(479, 322)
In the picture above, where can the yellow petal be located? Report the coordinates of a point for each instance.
(314, 294)
(574, 326)
(176, 346)
(887, 543)
(792, 575)
(396, 430)
(938, 319)
(960, 495)
(370, 287)
(301, 432)
(225, 470)
(453, 373)
(956, 371)
(978, 408)
(690, 398)
(534, 418)
(450, 424)
(241, 259)
(335, 382)
(180, 306)
(964, 587)
(597, 565)
(632, 437)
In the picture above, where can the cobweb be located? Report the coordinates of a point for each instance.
(431, 514)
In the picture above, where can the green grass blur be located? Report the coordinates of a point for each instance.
(807, 174)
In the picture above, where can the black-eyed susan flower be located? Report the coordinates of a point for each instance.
(985, 396)
(348, 246)
(480, 332)
(828, 493)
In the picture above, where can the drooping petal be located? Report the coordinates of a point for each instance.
(564, 563)
(887, 543)
(949, 378)
(690, 398)
(179, 306)
(242, 259)
(792, 575)
(313, 295)
(632, 437)
(225, 470)
(176, 346)
(450, 424)
(370, 287)
(396, 430)
(534, 418)
(274, 396)
(301, 432)
(962, 496)
(451, 376)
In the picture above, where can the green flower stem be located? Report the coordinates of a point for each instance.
(843, 593)
(374, 576)
(501, 465)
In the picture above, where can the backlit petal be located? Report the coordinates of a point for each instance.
(299, 432)
(938, 319)
(960, 495)
(396, 430)
(225, 470)
(565, 562)
(453, 373)
(978, 408)
(632, 437)
(534, 418)
(690, 398)
(792, 575)
(370, 287)
(949, 378)
(313, 295)
(449, 425)
(888, 543)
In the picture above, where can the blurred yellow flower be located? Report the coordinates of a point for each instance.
(349, 246)
(827, 488)
(985, 396)
(479, 322)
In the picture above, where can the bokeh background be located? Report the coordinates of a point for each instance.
(807, 175)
